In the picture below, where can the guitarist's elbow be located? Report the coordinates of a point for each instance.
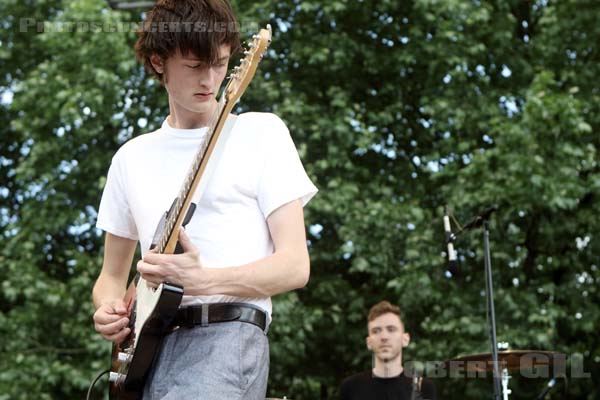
(302, 274)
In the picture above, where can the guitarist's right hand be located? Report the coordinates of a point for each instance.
(111, 321)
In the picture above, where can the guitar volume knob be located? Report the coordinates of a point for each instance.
(116, 377)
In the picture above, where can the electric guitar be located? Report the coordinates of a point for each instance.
(152, 310)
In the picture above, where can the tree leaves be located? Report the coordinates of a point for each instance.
(397, 108)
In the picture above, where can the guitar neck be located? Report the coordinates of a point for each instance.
(168, 239)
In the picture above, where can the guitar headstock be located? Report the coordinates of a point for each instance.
(243, 73)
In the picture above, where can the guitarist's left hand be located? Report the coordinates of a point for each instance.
(183, 269)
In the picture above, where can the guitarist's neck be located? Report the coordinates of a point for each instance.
(191, 119)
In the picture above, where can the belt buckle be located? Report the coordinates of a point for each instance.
(204, 315)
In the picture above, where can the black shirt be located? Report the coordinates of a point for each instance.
(365, 386)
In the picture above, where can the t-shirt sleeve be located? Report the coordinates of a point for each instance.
(283, 178)
(114, 214)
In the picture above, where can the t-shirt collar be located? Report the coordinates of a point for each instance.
(183, 133)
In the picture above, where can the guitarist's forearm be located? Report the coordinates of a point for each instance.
(286, 269)
(278, 273)
(111, 284)
(107, 290)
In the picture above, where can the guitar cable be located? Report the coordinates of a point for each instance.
(89, 392)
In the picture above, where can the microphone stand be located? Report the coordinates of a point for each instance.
(490, 299)
(483, 220)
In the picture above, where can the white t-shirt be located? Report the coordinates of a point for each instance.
(258, 171)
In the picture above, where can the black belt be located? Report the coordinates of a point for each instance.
(206, 314)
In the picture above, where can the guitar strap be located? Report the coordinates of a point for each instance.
(208, 171)
(214, 158)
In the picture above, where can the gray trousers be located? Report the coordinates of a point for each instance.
(222, 361)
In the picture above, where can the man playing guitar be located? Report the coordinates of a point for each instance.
(246, 239)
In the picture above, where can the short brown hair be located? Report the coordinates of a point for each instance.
(384, 307)
(199, 27)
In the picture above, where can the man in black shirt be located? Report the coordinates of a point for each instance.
(387, 380)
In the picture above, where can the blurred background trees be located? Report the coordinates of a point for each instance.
(397, 108)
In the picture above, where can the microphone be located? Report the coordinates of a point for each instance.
(452, 263)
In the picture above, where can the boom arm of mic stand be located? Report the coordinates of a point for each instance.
(476, 222)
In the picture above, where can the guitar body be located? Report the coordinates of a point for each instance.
(133, 358)
(150, 313)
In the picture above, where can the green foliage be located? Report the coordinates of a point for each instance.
(397, 108)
